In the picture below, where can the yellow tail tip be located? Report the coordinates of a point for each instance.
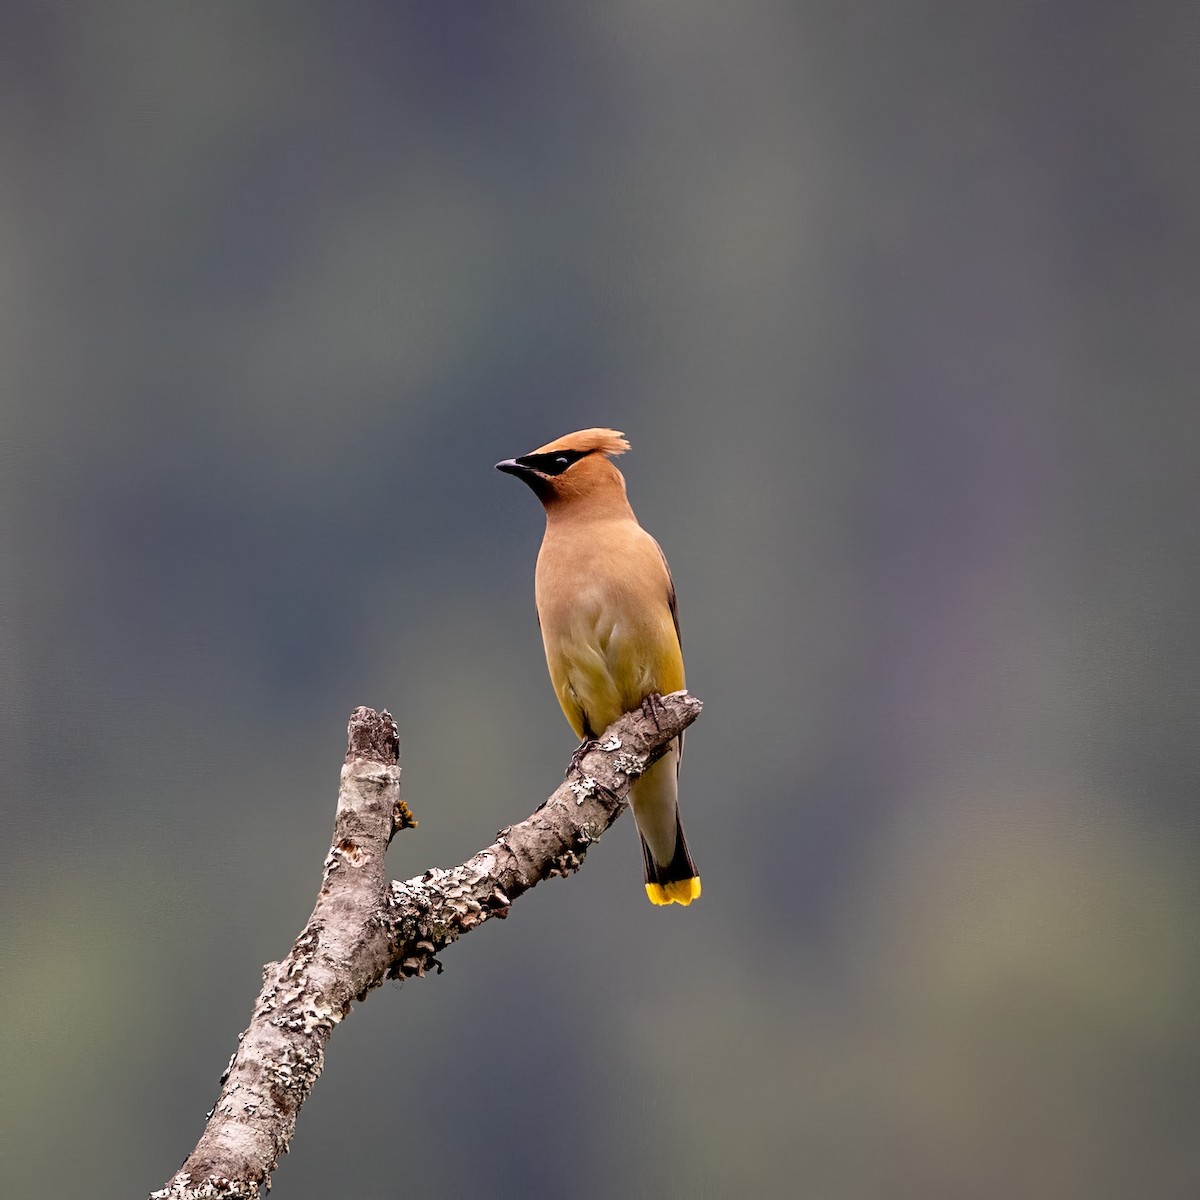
(681, 891)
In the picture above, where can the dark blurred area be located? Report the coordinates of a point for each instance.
(898, 306)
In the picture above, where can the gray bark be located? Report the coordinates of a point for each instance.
(364, 929)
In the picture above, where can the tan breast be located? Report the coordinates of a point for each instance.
(602, 598)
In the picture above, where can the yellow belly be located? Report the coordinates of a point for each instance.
(605, 663)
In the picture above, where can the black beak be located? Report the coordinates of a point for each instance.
(533, 479)
(510, 466)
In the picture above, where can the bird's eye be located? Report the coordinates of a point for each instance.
(551, 463)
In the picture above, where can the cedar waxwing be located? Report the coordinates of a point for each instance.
(606, 607)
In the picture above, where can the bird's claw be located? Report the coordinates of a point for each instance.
(652, 705)
(576, 764)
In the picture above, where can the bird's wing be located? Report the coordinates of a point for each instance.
(673, 604)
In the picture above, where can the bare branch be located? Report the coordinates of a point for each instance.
(364, 930)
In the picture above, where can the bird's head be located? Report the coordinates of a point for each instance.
(573, 469)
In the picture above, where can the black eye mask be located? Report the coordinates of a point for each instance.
(554, 462)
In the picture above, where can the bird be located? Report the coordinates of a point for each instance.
(610, 627)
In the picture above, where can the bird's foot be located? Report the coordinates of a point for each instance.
(652, 705)
(576, 763)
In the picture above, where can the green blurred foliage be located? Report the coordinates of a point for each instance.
(895, 304)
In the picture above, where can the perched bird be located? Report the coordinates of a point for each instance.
(606, 607)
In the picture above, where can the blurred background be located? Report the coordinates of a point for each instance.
(898, 306)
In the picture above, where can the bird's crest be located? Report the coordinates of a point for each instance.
(584, 441)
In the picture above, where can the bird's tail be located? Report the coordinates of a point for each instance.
(676, 883)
